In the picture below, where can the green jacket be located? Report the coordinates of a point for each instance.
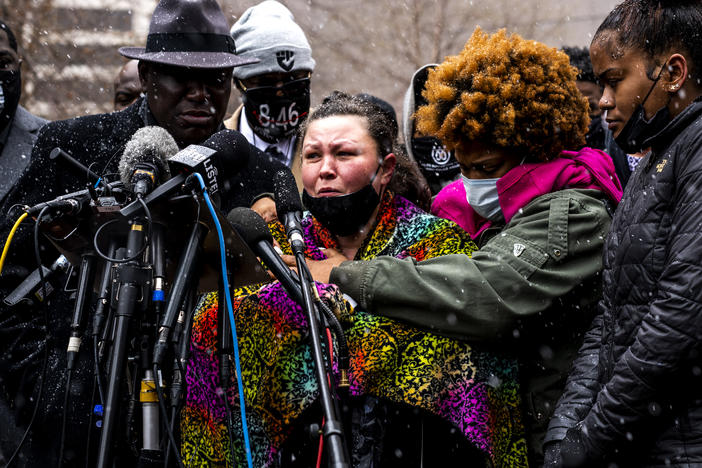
(533, 287)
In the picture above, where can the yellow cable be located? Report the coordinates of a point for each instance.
(9, 240)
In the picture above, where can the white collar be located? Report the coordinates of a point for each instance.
(286, 146)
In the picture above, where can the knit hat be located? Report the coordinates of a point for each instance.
(269, 33)
(438, 165)
(413, 100)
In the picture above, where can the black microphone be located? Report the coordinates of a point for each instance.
(183, 280)
(81, 168)
(31, 287)
(71, 203)
(217, 159)
(69, 206)
(253, 229)
(143, 162)
(289, 208)
(83, 293)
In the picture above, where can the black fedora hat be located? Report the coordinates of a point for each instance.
(188, 33)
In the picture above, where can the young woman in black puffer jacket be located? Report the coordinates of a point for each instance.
(634, 395)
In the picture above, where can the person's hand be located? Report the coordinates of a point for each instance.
(320, 269)
(265, 206)
(552, 455)
(573, 452)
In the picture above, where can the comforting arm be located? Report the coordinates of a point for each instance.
(542, 254)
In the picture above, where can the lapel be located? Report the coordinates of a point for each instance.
(18, 148)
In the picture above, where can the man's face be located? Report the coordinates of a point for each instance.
(127, 85)
(593, 93)
(9, 60)
(189, 103)
(10, 83)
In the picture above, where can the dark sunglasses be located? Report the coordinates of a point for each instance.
(292, 88)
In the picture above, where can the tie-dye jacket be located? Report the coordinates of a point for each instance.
(474, 390)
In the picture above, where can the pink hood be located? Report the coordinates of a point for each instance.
(585, 169)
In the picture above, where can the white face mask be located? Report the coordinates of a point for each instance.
(481, 195)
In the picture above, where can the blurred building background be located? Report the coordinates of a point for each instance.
(374, 46)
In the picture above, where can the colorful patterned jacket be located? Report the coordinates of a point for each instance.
(474, 390)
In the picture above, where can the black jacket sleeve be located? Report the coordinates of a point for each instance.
(651, 370)
(254, 179)
(581, 388)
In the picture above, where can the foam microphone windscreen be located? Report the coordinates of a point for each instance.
(287, 198)
(149, 145)
(250, 226)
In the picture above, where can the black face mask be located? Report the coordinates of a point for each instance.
(637, 129)
(10, 90)
(346, 214)
(274, 117)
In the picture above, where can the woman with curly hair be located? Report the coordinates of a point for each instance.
(539, 213)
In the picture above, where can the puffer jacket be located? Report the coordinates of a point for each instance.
(636, 388)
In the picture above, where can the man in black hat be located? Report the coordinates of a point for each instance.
(186, 73)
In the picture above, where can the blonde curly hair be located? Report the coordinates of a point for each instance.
(509, 92)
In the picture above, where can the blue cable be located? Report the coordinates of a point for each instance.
(230, 309)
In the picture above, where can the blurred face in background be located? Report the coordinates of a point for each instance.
(593, 93)
(276, 104)
(10, 80)
(127, 85)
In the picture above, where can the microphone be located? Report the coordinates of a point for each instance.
(81, 168)
(71, 203)
(143, 162)
(219, 157)
(253, 229)
(84, 291)
(31, 289)
(289, 208)
(182, 281)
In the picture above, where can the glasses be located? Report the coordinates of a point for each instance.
(294, 88)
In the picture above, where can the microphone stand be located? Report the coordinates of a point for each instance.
(179, 364)
(226, 348)
(333, 431)
(84, 289)
(182, 281)
(131, 279)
